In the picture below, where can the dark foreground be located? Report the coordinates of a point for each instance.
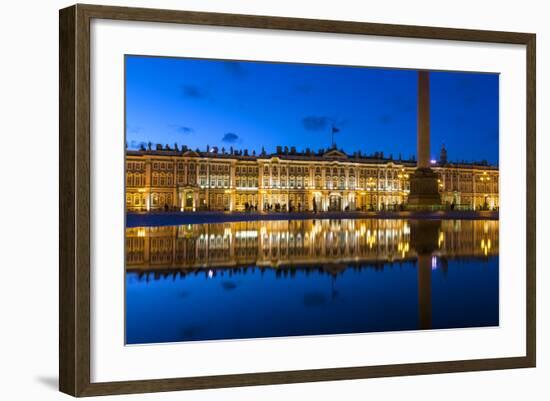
(177, 218)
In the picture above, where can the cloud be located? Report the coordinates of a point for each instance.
(184, 129)
(181, 129)
(230, 137)
(235, 69)
(316, 123)
(229, 285)
(385, 119)
(194, 92)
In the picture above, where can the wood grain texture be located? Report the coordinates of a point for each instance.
(74, 199)
(67, 131)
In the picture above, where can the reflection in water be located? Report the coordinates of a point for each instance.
(281, 243)
(284, 278)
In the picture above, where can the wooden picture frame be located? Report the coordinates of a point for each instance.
(74, 204)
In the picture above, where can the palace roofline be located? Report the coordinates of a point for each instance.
(329, 155)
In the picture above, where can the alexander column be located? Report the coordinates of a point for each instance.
(424, 187)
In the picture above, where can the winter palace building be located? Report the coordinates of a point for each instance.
(172, 178)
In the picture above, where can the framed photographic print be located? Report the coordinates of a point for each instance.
(250, 200)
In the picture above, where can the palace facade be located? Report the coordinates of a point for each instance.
(191, 180)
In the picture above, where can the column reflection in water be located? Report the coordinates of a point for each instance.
(424, 237)
(368, 262)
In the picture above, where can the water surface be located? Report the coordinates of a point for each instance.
(309, 277)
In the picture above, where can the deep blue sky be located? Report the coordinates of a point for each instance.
(248, 105)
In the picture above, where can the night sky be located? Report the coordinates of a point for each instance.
(248, 105)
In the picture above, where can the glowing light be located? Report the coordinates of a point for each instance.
(247, 234)
(403, 247)
(210, 274)
(433, 161)
(434, 262)
(485, 246)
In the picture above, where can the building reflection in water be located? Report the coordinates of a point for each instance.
(306, 242)
(330, 247)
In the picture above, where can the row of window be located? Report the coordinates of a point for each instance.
(162, 179)
(222, 181)
(163, 165)
(293, 169)
(135, 180)
(214, 168)
(157, 200)
(137, 166)
(247, 182)
(246, 170)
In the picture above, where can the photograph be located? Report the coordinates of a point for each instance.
(273, 199)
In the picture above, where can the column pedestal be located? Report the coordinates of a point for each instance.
(424, 189)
